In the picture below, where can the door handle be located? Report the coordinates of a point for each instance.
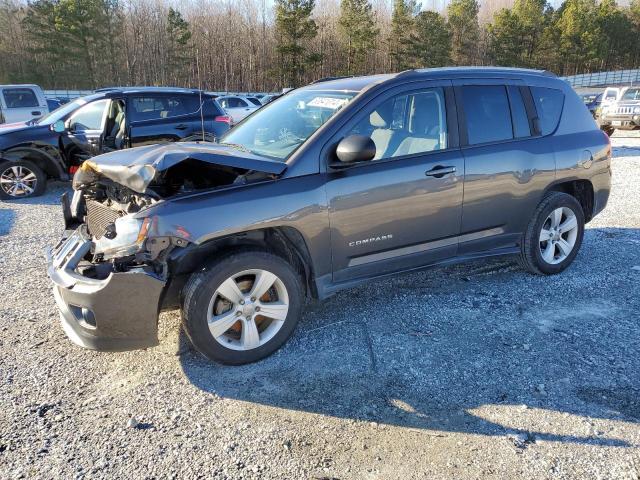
(440, 171)
(36, 112)
(182, 126)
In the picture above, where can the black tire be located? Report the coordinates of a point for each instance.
(531, 256)
(202, 286)
(40, 180)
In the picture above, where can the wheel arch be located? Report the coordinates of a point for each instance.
(44, 156)
(285, 242)
(581, 190)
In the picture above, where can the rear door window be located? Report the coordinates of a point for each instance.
(548, 103)
(488, 117)
(20, 98)
(155, 107)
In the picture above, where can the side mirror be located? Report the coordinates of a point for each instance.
(58, 127)
(356, 148)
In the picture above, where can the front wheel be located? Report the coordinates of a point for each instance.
(21, 179)
(554, 235)
(243, 307)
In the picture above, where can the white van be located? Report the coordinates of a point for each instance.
(20, 103)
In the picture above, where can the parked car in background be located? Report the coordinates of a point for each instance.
(237, 106)
(624, 114)
(331, 186)
(255, 100)
(112, 119)
(268, 98)
(609, 97)
(21, 103)
(52, 103)
(592, 101)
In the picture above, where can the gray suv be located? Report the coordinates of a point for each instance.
(329, 186)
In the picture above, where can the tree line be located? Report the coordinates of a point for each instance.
(256, 45)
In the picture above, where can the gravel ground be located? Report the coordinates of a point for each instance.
(471, 371)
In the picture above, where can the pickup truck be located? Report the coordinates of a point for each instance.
(21, 103)
(55, 145)
(329, 186)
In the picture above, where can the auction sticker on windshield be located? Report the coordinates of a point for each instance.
(328, 102)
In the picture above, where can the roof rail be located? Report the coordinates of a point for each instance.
(328, 79)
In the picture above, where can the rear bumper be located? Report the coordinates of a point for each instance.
(119, 312)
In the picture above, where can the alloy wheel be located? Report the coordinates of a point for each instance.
(248, 309)
(18, 181)
(558, 235)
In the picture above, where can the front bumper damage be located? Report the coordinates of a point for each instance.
(115, 313)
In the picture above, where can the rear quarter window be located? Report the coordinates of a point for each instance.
(549, 103)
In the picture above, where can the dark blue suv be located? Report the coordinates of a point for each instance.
(111, 119)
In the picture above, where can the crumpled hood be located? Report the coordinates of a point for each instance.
(135, 168)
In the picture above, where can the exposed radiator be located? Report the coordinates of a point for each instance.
(98, 217)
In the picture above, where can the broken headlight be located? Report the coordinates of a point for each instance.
(127, 237)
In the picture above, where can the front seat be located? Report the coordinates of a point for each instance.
(384, 137)
(118, 130)
(424, 127)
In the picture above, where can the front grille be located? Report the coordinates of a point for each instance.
(99, 217)
(624, 110)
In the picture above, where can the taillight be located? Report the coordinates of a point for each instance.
(73, 169)
(223, 118)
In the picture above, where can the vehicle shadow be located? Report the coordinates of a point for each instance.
(481, 348)
(7, 218)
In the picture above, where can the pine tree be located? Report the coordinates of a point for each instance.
(465, 31)
(615, 31)
(400, 40)
(432, 40)
(357, 27)
(506, 36)
(179, 50)
(294, 26)
(579, 35)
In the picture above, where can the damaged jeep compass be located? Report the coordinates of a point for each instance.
(329, 186)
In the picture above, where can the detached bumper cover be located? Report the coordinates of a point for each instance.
(117, 313)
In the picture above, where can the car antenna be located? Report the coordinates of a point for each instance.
(200, 93)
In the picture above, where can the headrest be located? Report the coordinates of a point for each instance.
(376, 120)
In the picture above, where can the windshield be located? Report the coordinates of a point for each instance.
(631, 94)
(279, 128)
(61, 112)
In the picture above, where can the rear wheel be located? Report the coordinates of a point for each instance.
(21, 179)
(243, 307)
(554, 235)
